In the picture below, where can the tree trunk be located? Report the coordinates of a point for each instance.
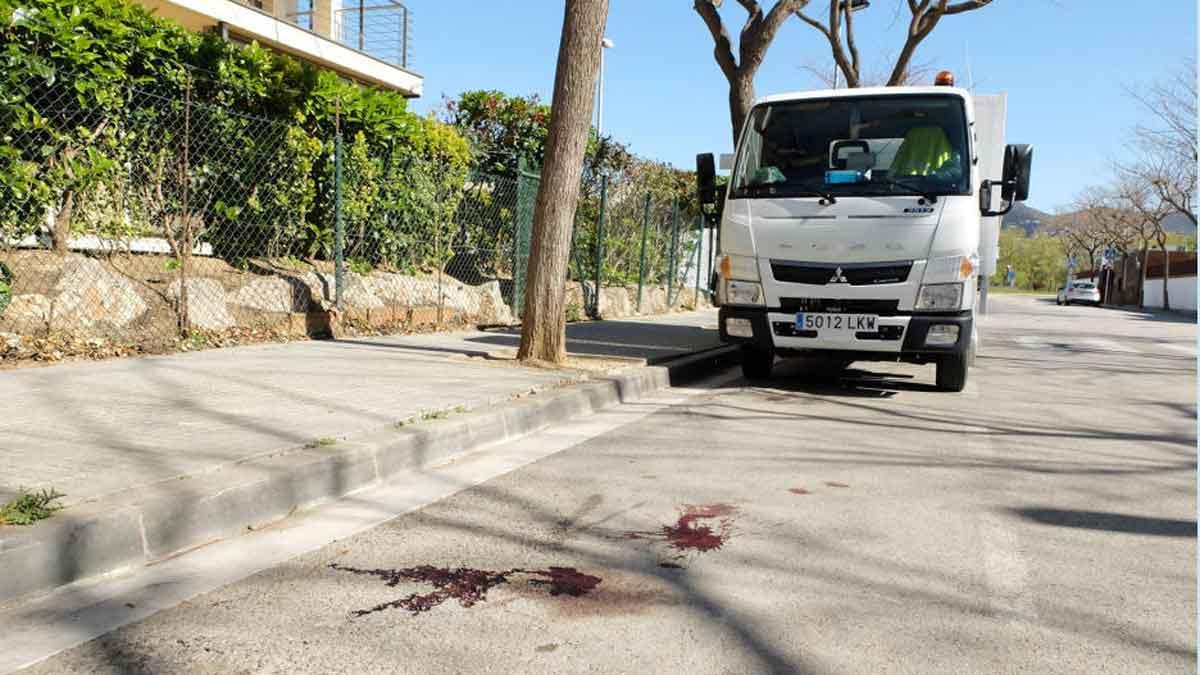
(61, 236)
(543, 326)
(741, 98)
(1142, 281)
(1166, 276)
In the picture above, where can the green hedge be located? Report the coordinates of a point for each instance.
(92, 119)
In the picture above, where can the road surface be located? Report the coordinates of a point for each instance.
(1041, 521)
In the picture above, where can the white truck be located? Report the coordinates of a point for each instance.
(853, 224)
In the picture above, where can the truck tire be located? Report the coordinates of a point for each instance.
(952, 372)
(757, 363)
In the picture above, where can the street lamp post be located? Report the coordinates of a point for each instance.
(855, 5)
(605, 43)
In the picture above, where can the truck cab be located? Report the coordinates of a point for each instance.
(851, 226)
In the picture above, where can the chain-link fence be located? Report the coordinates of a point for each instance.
(635, 239)
(165, 215)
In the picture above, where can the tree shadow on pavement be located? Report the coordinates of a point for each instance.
(1108, 521)
(621, 338)
(895, 579)
(1152, 314)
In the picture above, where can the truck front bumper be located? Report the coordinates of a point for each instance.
(902, 337)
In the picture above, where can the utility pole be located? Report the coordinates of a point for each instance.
(605, 43)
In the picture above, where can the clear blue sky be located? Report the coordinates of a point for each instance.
(1064, 63)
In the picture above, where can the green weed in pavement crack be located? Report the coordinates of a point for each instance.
(465, 584)
(29, 507)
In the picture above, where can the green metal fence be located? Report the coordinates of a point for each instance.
(180, 218)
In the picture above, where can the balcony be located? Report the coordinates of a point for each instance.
(376, 27)
(364, 40)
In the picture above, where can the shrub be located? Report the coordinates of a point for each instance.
(92, 118)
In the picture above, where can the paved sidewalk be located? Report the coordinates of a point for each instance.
(94, 429)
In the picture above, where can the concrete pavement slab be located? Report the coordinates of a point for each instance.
(163, 453)
(94, 429)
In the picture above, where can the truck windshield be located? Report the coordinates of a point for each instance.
(869, 146)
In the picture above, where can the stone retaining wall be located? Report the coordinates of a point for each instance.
(135, 297)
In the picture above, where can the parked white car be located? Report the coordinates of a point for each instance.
(1079, 291)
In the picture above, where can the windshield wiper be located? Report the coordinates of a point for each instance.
(809, 190)
(914, 189)
(794, 189)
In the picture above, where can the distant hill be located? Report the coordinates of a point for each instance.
(1032, 220)
(1026, 218)
(1177, 222)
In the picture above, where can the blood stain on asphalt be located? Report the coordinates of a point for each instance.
(837, 484)
(465, 584)
(563, 580)
(692, 531)
(799, 491)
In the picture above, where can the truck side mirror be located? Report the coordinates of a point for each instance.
(706, 178)
(1018, 160)
(1014, 186)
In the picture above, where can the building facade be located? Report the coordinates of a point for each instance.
(363, 40)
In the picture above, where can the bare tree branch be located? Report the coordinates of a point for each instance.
(757, 34)
(815, 24)
(1167, 153)
(722, 45)
(925, 15)
(850, 44)
(960, 7)
(762, 32)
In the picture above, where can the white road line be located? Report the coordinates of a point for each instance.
(1005, 569)
(1030, 341)
(40, 628)
(1183, 349)
(1107, 345)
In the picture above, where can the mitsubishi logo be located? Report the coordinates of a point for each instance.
(838, 277)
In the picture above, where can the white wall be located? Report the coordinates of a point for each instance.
(687, 267)
(1182, 292)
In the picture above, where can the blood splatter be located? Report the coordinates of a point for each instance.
(692, 532)
(837, 484)
(564, 580)
(466, 585)
(799, 491)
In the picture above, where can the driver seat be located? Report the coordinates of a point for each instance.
(923, 151)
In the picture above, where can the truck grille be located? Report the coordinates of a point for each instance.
(839, 306)
(857, 274)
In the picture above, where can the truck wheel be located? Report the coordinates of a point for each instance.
(952, 372)
(757, 363)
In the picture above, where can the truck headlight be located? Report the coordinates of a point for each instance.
(952, 268)
(940, 298)
(742, 292)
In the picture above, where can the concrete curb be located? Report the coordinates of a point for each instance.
(165, 519)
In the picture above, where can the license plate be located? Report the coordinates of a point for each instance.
(837, 325)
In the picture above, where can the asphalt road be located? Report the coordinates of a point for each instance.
(1041, 521)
